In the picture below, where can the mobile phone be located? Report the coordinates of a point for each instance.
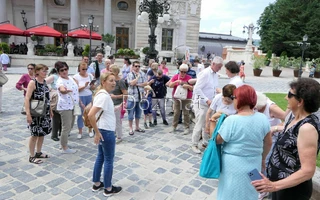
(92, 82)
(254, 175)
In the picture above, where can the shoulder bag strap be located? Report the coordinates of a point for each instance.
(134, 76)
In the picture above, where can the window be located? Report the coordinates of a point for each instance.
(167, 38)
(122, 5)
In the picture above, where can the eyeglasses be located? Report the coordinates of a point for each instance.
(137, 66)
(85, 69)
(30, 68)
(64, 69)
(232, 97)
(183, 72)
(290, 95)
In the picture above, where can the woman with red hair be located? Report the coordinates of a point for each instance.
(246, 142)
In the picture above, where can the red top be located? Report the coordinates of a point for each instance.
(24, 81)
(185, 79)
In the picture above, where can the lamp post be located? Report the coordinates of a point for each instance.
(304, 46)
(250, 30)
(91, 28)
(156, 12)
(25, 22)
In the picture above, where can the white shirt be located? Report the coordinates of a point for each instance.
(272, 121)
(4, 58)
(82, 81)
(107, 120)
(205, 88)
(200, 68)
(236, 80)
(217, 105)
(65, 100)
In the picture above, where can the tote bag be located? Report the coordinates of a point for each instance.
(211, 160)
(180, 93)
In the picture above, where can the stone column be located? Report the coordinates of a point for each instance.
(107, 17)
(3, 11)
(74, 14)
(39, 18)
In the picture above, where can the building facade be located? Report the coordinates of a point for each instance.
(116, 17)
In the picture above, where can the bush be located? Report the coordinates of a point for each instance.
(258, 62)
(145, 50)
(108, 38)
(5, 47)
(50, 48)
(86, 50)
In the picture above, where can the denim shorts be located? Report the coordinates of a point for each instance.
(134, 108)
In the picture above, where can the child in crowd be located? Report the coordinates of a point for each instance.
(312, 70)
(147, 106)
(241, 73)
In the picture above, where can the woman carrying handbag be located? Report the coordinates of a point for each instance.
(40, 125)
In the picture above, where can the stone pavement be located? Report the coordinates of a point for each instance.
(151, 165)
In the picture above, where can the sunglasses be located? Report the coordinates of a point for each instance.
(290, 95)
(85, 69)
(183, 72)
(137, 66)
(30, 68)
(64, 69)
(232, 97)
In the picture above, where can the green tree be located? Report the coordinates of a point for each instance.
(283, 24)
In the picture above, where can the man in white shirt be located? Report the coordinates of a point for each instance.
(198, 65)
(5, 60)
(203, 93)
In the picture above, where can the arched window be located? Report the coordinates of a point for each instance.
(122, 5)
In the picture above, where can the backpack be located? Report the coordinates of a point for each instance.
(53, 99)
(86, 111)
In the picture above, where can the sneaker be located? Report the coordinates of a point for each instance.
(186, 131)
(91, 134)
(97, 188)
(262, 195)
(145, 125)
(173, 130)
(195, 149)
(155, 122)
(165, 122)
(118, 140)
(79, 136)
(68, 151)
(151, 125)
(114, 190)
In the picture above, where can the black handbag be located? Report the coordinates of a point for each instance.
(38, 108)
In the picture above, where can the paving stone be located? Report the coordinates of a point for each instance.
(169, 189)
(160, 170)
(56, 182)
(2, 163)
(55, 191)
(73, 191)
(26, 178)
(21, 188)
(184, 156)
(38, 189)
(133, 189)
(134, 177)
(2, 175)
(41, 173)
(164, 158)
(120, 167)
(69, 175)
(176, 170)
(195, 183)
(79, 179)
(6, 195)
(206, 189)
(79, 197)
(143, 183)
(212, 182)
(160, 196)
(187, 190)
(5, 188)
(175, 161)
(175, 152)
(152, 156)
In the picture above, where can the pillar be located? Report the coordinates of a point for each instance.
(107, 17)
(39, 17)
(3, 11)
(74, 14)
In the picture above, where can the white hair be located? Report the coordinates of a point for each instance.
(217, 60)
(261, 100)
(184, 67)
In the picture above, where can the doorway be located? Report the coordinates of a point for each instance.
(62, 28)
(122, 38)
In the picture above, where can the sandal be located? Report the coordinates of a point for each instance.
(41, 155)
(140, 130)
(34, 160)
(55, 139)
(131, 133)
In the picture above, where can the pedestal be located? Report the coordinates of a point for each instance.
(30, 46)
(107, 49)
(142, 55)
(70, 50)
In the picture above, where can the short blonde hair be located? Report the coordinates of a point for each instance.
(184, 67)
(39, 67)
(154, 66)
(147, 87)
(114, 69)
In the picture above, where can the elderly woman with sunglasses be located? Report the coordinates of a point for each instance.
(293, 159)
(84, 80)
(68, 93)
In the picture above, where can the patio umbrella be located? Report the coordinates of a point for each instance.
(43, 31)
(8, 29)
(84, 34)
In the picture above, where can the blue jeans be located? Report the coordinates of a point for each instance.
(85, 100)
(134, 108)
(105, 157)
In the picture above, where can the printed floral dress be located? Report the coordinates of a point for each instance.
(41, 126)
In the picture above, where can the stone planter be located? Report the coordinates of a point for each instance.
(257, 72)
(317, 74)
(276, 72)
(296, 73)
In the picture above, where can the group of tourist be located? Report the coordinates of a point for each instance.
(257, 134)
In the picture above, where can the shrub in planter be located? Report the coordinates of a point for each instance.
(268, 58)
(5, 47)
(86, 50)
(258, 64)
(108, 38)
(39, 39)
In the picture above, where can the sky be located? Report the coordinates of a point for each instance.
(219, 16)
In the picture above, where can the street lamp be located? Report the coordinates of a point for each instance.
(156, 12)
(25, 22)
(304, 46)
(91, 28)
(250, 30)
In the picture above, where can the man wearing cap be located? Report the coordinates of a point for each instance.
(204, 91)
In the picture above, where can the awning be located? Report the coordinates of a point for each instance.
(84, 34)
(43, 31)
(8, 29)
